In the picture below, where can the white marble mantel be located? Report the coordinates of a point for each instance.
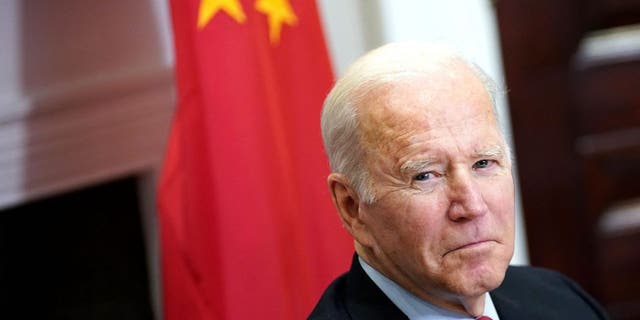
(86, 93)
(86, 96)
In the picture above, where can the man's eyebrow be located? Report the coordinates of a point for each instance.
(421, 165)
(412, 166)
(491, 152)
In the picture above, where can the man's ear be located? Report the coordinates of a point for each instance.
(347, 201)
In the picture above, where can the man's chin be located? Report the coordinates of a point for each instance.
(472, 273)
(476, 282)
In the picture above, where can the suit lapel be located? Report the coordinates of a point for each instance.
(507, 308)
(365, 300)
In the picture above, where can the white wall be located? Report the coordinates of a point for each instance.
(353, 27)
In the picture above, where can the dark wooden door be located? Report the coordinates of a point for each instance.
(574, 94)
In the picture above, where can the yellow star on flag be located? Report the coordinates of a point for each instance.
(209, 8)
(278, 12)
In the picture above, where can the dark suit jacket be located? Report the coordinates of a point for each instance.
(526, 293)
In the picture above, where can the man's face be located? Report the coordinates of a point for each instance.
(442, 224)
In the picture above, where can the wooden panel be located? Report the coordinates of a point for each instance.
(576, 123)
(618, 273)
(536, 53)
(608, 97)
(600, 14)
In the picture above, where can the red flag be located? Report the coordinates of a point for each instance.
(248, 230)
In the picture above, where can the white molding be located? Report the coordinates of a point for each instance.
(72, 92)
(620, 219)
(85, 132)
(614, 45)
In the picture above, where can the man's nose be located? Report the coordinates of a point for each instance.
(466, 200)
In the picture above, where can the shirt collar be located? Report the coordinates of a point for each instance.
(415, 308)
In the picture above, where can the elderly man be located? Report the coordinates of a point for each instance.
(422, 181)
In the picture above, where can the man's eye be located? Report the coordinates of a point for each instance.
(482, 164)
(423, 176)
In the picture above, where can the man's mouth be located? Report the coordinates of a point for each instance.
(470, 245)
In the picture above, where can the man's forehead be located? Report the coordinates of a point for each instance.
(405, 115)
(426, 101)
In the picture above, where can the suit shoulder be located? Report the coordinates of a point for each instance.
(534, 274)
(548, 288)
(332, 302)
(545, 279)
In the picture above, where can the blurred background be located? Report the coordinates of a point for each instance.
(87, 95)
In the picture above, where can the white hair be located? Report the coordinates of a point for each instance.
(388, 64)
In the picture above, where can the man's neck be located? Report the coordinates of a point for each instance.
(468, 306)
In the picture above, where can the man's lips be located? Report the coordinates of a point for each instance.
(470, 245)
